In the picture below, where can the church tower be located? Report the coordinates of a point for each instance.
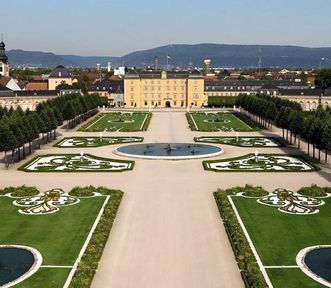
(4, 66)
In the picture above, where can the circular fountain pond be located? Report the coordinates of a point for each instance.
(17, 263)
(316, 263)
(169, 151)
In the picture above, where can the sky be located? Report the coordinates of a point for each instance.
(115, 28)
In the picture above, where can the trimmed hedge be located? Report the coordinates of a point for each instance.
(315, 191)
(21, 191)
(89, 263)
(222, 101)
(250, 270)
(82, 191)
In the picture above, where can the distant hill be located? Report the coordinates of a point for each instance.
(223, 55)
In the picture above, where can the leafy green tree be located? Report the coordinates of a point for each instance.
(8, 140)
(326, 139)
(323, 79)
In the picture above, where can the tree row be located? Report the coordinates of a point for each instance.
(19, 128)
(312, 126)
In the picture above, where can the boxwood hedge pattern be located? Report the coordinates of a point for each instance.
(261, 163)
(75, 163)
(242, 141)
(82, 142)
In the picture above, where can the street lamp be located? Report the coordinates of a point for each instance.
(256, 155)
(81, 155)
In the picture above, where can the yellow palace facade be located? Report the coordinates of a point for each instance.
(164, 89)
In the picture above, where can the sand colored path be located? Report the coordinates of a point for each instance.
(168, 232)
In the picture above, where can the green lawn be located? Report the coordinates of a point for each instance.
(278, 237)
(55, 278)
(58, 237)
(117, 121)
(221, 121)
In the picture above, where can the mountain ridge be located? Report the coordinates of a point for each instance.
(222, 55)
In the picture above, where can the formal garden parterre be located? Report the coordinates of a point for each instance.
(69, 230)
(242, 141)
(76, 163)
(261, 163)
(118, 121)
(220, 121)
(81, 142)
(268, 230)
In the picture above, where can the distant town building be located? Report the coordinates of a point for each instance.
(299, 92)
(60, 75)
(120, 71)
(9, 82)
(112, 89)
(26, 99)
(36, 85)
(164, 89)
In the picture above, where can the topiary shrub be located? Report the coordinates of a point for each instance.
(21, 191)
(252, 191)
(314, 191)
(82, 191)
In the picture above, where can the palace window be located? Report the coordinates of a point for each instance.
(146, 103)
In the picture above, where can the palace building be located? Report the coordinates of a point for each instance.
(164, 89)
